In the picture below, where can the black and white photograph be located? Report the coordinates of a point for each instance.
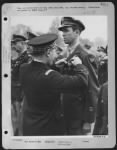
(58, 83)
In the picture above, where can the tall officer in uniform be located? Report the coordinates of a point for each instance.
(42, 113)
(79, 108)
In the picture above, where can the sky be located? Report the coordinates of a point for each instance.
(96, 26)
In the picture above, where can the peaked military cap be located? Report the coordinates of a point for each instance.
(17, 38)
(69, 22)
(30, 35)
(42, 42)
(44, 39)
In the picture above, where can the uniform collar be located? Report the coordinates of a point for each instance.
(72, 47)
(39, 63)
(76, 51)
(36, 60)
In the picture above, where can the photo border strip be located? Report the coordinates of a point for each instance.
(10, 10)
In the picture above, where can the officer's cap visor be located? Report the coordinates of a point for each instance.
(62, 28)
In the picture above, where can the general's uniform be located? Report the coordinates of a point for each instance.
(42, 112)
(80, 108)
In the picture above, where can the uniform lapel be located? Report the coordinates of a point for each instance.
(77, 52)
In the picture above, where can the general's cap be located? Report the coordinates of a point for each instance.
(17, 38)
(69, 22)
(42, 42)
(44, 39)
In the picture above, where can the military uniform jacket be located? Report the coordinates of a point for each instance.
(101, 125)
(83, 104)
(42, 87)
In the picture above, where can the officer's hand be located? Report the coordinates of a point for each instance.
(76, 60)
(61, 62)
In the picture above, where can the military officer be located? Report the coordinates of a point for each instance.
(19, 56)
(79, 108)
(42, 112)
(103, 66)
(20, 47)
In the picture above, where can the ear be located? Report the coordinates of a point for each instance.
(78, 31)
(47, 53)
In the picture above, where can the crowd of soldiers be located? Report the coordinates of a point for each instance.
(77, 117)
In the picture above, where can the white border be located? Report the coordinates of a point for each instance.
(60, 142)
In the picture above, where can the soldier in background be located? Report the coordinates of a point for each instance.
(19, 56)
(59, 51)
(101, 125)
(103, 65)
(20, 47)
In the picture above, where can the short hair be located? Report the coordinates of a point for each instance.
(39, 51)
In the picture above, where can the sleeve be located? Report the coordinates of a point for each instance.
(102, 113)
(64, 83)
(99, 114)
(92, 65)
(93, 62)
(93, 89)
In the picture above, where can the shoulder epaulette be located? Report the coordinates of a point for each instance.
(48, 71)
